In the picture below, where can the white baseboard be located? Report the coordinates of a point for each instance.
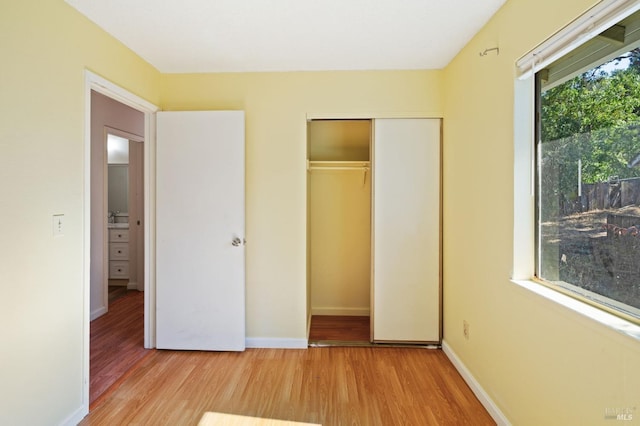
(76, 417)
(475, 386)
(354, 312)
(276, 343)
(132, 286)
(98, 313)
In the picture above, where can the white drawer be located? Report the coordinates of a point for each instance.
(119, 235)
(119, 269)
(119, 251)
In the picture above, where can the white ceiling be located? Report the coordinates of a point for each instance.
(183, 36)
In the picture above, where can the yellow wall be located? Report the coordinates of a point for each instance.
(276, 106)
(45, 48)
(339, 140)
(340, 233)
(542, 364)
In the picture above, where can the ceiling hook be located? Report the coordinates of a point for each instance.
(490, 49)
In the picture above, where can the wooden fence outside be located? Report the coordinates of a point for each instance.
(604, 195)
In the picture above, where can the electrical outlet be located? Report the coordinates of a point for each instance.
(465, 329)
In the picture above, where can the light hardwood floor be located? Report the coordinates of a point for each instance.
(330, 386)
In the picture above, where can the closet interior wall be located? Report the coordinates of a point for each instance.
(339, 216)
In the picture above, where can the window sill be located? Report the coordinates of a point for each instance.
(611, 321)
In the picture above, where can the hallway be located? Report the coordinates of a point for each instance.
(117, 343)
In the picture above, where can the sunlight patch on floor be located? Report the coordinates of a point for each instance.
(222, 419)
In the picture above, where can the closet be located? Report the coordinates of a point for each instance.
(339, 206)
(374, 225)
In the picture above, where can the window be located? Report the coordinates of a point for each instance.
(588, 170)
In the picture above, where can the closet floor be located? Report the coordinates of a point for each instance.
(332, 328)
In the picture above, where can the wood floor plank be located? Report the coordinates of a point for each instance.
(117, 343)
(338, 327)
(329, 386)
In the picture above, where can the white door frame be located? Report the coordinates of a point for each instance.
(107, 88)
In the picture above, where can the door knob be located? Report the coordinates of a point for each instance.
(236, 242)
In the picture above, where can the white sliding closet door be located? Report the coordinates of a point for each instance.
(406, 230)
(200, 220)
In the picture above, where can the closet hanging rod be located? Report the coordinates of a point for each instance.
(338, 165)
(361, 168)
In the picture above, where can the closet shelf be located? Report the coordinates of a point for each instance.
(338, 165)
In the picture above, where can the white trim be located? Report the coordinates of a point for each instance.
(123, 134)
(276, 343)
(495, 412)
(96, 313)
(107, 88)
(369, 116)
(105, 215)
(74, 418)
(353, 312)
(87, 316)
(585, 27)
(523, 180)
(611, 321)
(132, 285)
(149, 284)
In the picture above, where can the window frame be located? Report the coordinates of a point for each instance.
(526, 131)
(630, 313)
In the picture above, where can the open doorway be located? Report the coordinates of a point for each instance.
(117, 236)
(113, 126)
(339, 230)
(96, 266)
(125, 213)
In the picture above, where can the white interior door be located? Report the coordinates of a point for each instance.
(406, 230)
(200, 223)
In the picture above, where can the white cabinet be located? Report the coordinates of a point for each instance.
(118, 253)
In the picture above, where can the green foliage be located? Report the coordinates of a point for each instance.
(594, 117)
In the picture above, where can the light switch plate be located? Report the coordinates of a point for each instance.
(58, 225)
